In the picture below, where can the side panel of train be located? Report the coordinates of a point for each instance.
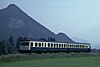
(40, 49)
(36, 46)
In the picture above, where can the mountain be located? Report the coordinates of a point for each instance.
(63, 37)
(14, 22)
(76, 39)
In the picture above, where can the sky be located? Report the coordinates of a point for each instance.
(76, 18)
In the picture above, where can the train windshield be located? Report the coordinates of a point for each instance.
(24, 44)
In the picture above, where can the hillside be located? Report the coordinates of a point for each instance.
(14, 22)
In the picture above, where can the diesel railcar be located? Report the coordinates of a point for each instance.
(41, 46)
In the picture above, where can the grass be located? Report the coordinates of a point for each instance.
(56, 62)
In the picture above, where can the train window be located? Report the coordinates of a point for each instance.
(42, 44)
(86, 46)
(31, 44)
(67, 45)
(45, 44)
(24, 43)
(70, 46)
(51, 44)
(89, 46)
(39, 44)
(35, 44)
(48, 44)
(54, 45)
(64, 45)
(59, 45)
(80, 46)
(75, 46)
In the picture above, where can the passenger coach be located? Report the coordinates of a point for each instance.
(39, 46)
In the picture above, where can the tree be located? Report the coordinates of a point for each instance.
(18, 42)
(11, 45)
(43, 39)
(3, 47)
(51, 39)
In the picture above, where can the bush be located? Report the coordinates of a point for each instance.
(33, 56)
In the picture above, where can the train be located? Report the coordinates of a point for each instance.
(43, 46)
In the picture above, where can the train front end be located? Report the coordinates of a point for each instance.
(24, 46)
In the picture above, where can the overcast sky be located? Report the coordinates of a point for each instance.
(76, 18)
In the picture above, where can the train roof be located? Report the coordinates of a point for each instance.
(55, 41)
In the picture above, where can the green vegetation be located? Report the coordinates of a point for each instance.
(7, 46)
(22, 57)
(57, 62)
(51, 60)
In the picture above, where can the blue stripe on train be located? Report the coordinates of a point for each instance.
(60, 49)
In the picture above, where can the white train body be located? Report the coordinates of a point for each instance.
(39, 46)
